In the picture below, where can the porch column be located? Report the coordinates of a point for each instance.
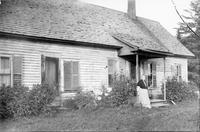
(164, 79)
(137, 67)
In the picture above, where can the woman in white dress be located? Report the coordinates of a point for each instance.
(142, 93)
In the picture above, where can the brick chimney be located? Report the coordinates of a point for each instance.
(131, 9)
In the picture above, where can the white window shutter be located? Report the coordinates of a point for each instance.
(67, 75)
(154, 75)
(75, 75)
(17, 70)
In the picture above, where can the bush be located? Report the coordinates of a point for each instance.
(20, 101)
(70, 103)
(123, 89)
(85, 100)
(39, 97)
(12, 101)
(179, 91)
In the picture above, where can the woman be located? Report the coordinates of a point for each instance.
(142, 93)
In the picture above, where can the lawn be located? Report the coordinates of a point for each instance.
(180, 117)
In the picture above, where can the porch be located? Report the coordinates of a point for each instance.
(152, 65)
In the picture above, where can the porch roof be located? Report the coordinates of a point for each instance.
(145, 54)
(142, 47)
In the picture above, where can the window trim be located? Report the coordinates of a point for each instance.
(11, 67)
(71, 63)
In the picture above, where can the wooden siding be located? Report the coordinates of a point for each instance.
(169, 62)
(172, 61)
(93, 61)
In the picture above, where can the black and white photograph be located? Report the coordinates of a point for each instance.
(99, 65)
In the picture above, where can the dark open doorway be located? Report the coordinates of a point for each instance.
(50, 71)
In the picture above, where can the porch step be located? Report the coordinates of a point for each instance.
(159, 103)
(157, 100)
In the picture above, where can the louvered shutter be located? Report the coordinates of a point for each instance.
(154, 75)
(75, 75)
(43, 68)
(67, 75)
(17, 70)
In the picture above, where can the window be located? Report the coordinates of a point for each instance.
(152, 75)
(178, 72)
(71, 75)
(8, 77)
(111, 71)
(5, 71)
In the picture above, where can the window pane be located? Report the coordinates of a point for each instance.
(75, 82)
(5, 65)
(75, 67)
(4, 80)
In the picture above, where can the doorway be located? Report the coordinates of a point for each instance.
(50, 72)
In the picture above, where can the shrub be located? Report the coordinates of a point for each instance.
(179, 91)
(39, 97)
(12, 101)
(70, 103)
(123, 89)
(20, 101)
(85, 100)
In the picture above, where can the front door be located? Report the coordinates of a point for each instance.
(155, 89)
(51, 72)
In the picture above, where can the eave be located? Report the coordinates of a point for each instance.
(56, 41)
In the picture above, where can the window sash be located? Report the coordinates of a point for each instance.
(71, 75)
(5, 71)
(5, 65)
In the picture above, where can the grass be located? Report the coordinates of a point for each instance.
(180, 117)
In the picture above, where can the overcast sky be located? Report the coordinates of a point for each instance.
(159, 10)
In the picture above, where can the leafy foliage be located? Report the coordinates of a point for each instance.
(39, 97)
(123, 92)
(20, 101)
(85, 100)
(190, 40)
(123, 89)
(179, 91)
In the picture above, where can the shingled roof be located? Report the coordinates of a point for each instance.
(78, 21)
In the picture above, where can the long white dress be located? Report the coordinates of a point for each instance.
(143, 97)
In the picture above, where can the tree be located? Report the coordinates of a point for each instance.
(191, 40)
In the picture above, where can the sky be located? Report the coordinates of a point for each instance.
(158, 10)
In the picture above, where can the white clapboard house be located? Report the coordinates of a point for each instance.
(77, 45)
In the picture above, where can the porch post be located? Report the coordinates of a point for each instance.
(137, 67)
(164, 79)
(60, 81)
